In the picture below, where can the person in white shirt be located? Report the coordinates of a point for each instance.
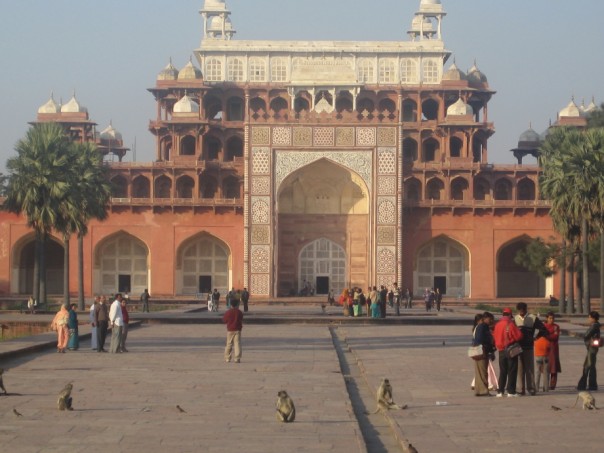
(117, 321)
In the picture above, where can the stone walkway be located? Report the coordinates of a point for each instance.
(127, 402)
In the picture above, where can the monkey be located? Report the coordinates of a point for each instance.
(286, 411)
(1, 382)
(65, 399)
(589, 402)
(180, 409)
(384, 399)
(17, 413)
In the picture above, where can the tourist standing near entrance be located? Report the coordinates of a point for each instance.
(101, 316)
(145, 300)
(74, 337)
(60, 324)
(117, 322)
(245, 297)
(215, 299)
(93, 336)
(397, 299)
(126, 318)
(233, 318)
(383, 297)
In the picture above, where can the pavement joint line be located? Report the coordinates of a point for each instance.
(396, 429)
(335, 332)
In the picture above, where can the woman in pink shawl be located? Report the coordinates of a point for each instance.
(59, 323)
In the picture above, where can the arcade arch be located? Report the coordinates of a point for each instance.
(121, 264)
(322, 264)
(203, 263)
(514, 280)
(24, 254)
(442, 263)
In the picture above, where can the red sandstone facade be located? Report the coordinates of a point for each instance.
(291, 164)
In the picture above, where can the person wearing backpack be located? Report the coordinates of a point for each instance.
(589, 379)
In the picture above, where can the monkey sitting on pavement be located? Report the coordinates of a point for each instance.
(65, 400)
(589, 402)
(384, 398)
(286, 411)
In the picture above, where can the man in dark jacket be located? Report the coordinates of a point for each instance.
(528, 325)
(589, 380)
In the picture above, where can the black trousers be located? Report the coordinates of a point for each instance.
(101, 334)
(589, 379)
(508, 373)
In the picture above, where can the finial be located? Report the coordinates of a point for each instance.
(74, 93)
(52, 94)
(530, 124)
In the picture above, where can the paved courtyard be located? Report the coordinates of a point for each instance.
(127, 402)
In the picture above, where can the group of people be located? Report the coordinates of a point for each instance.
(521, 342)
(373, 302)
(65, 323)
(232, 297)
(432, 298)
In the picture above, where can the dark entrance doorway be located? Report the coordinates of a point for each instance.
(322, 285)
(205, 283)
(123, 283)
(441, 284)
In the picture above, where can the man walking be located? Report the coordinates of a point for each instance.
(233, 318)
(117, 322)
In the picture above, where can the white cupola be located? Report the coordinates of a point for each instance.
(216, 20)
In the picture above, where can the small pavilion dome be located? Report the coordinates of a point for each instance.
(168, 73)
(50, 107)
(189, 72)
(73, 106)
(475, 75)
(454, 73)
(529, 136)
(571, 110)
(186, 105)
(110, 134)
(460, 108)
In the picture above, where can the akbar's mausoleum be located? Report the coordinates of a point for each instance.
(279, 162)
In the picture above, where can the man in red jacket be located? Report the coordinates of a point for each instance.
(505, 333)
(233, 318)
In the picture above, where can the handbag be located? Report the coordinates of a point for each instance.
(513, 350)
(476, 352)
(595, 342)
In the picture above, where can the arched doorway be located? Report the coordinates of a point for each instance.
(323, 206)
(203, 264)
(122, 265)
(442, 263)
(322, 264)
(24, 266)
(514, 280)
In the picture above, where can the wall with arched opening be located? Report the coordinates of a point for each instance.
(513, 279)
(24, 253)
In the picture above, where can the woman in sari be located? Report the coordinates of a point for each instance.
(59, 323)
(553, 330)
(74, 340)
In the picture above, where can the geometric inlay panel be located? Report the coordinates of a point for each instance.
(386, 260)
(324, 136)
(260, 258)
(345, 136)
(386, 280)
(287, 162)
(261, 185)
(261, 161)
(282, 136)
(302, 136)
(386, 136)
(260, 284)
(386, 235)
(261, 234)
(387, 161)
(386, 211)
(261, 213)
(365, 136)
(261, 135)
(386, 185)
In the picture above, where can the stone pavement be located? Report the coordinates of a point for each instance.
(127, 402)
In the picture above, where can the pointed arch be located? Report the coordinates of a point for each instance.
(514, 280)
(22, 265)
(322, 264)
(203, 262)
(443, 262)
(121, 263)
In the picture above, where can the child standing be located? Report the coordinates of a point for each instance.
(542, 348)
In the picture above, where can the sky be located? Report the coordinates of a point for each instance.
(537, 54)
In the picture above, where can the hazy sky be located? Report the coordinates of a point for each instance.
(535, 53)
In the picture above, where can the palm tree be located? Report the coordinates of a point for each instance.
(37, 187)
(573, 179)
